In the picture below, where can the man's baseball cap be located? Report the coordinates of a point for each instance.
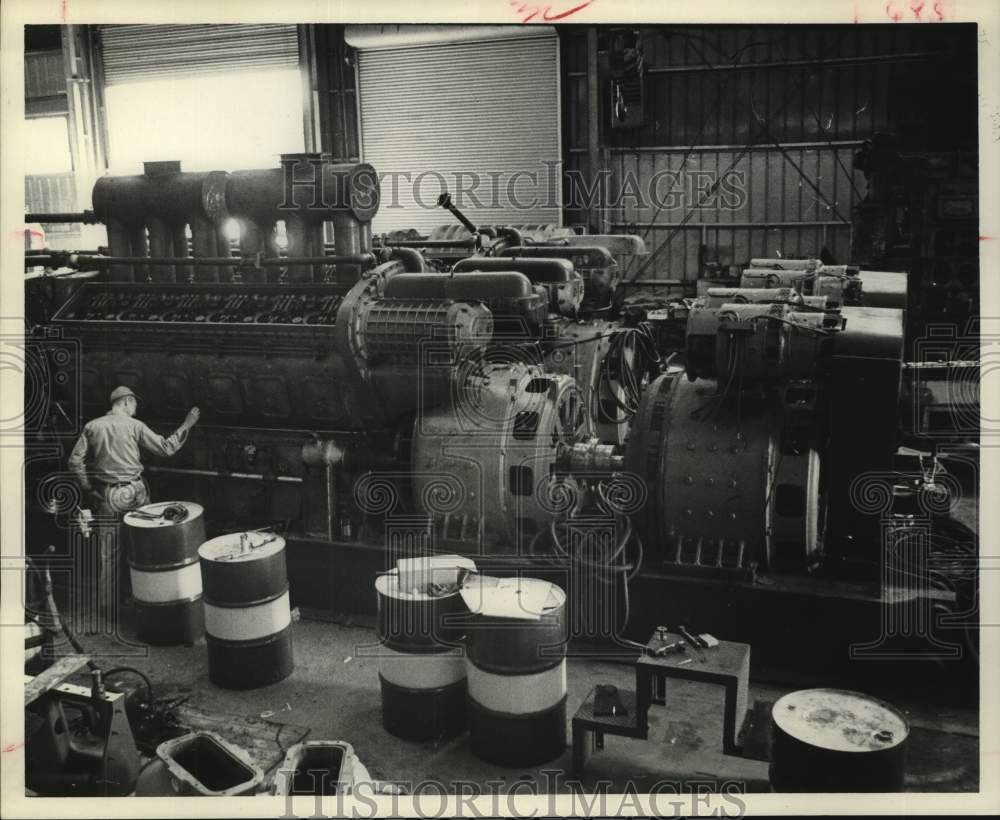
(121, 393)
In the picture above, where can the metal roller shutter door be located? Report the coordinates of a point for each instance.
(488, 107)
(148, 52)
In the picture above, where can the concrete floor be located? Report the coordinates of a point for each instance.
(334, 692)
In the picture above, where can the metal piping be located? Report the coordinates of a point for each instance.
(83, 217)
(160, 245)
(147, 219)
(203, 243)
(430, 243)
(290, 479)
(365, 260)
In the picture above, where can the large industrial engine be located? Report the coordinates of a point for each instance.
(316, 372)
(754, 451)
(477, 387)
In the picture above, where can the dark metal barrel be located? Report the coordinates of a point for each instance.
(163, 541)
(421, 666)
(516, 669)
(248, 624)
(831, 740)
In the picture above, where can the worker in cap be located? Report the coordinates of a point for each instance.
(106, 464)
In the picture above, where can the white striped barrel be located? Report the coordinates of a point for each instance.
(248, 623)
(516, 670)
(163, 566)
(421, 667)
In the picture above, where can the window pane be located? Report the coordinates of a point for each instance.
(47, 139)
(219, 122)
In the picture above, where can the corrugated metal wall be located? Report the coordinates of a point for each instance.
(780, 108)
(45, 96)
(52, 193)
(149, 52)
(433, 115)
(44, 78)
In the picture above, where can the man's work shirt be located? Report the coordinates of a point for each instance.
(111, 445)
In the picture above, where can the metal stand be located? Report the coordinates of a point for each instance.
(727, 665)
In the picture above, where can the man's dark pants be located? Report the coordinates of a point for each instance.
(105, 554)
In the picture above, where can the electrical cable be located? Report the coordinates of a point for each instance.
(627, 375)
(626, 570)
(739, 387)
(149, 686)
(818, 331)
(281, 747)
(707, 410)
(54, 612)
(626, 603)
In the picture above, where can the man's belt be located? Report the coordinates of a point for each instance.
(115, 484)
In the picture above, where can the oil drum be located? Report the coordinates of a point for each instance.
(421, 667)
(516, 668)
(248, 624)
(162, 545)
(831, 740)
